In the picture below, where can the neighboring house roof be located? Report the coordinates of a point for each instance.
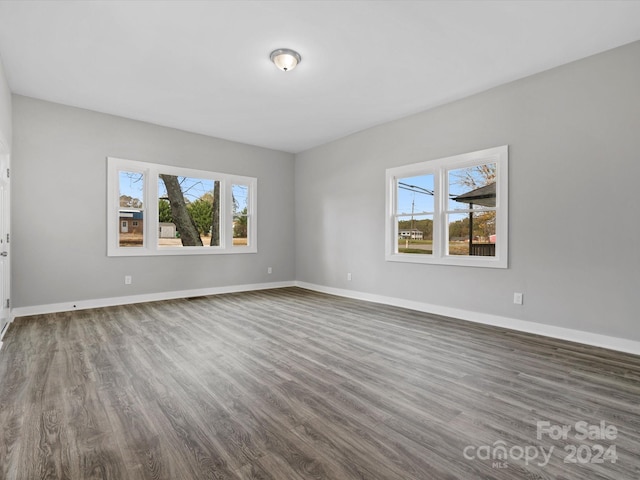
(133, 214)
(485, 196)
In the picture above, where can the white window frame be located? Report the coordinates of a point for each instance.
(439, 168)
(150, 226)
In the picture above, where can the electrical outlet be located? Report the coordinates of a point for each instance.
(517, 298)
(349, 276)
(127, 279)
(269, 270)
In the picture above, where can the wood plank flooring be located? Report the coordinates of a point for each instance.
(292, 384)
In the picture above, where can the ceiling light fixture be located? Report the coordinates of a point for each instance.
(285, 59)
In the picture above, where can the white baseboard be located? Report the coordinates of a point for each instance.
(579, 336)
(149, 297)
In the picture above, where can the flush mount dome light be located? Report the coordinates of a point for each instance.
(285, 59)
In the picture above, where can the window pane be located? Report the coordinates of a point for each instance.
(240, 195)
(415, 234)
(131, 213)
(188, 211)
(415, 195)
(240, 230)
(472, 187)
(465, 199)
(482, 240)
(195, 209)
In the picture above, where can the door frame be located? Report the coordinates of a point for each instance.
(5, 246)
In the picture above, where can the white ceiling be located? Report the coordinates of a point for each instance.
(204, 66)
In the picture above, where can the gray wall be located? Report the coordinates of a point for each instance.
(5, 111)
(574, 137)
(59, 207)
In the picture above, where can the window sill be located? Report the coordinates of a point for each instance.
(461, 261)
(142, 252)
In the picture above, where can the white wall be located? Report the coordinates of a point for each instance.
(574, 137)
(5, 112)
(59, 207)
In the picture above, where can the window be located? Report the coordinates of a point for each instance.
(240, 214)
(450, 211)
(164, 210)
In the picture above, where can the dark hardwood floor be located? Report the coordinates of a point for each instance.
(292, 384)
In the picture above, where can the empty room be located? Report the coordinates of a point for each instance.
(316, 239)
